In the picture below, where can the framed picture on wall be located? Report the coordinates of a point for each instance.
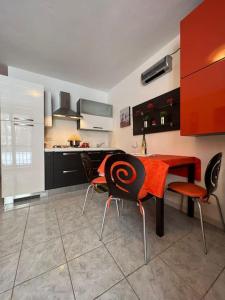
(125, 117)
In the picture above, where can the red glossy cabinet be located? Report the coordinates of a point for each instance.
(203, 101)
(202, 92)
(202, 36)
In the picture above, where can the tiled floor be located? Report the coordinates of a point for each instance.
(49, 251)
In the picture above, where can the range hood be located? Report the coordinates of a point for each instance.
(64, 110)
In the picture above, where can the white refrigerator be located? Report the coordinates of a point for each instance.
(22, 138)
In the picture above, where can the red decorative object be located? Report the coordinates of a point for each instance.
(169, 101)
(85, 145)
(150, 105)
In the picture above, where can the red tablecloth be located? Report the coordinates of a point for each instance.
(157, 168)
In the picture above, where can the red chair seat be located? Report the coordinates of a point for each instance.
(188, 189)
(99, 180)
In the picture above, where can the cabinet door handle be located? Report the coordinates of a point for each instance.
(22, 124)
(93, 152)
(67, 153)
(69, 171)
(97, 127)
(23, 119)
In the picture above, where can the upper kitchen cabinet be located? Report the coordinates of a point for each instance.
(21, 100)
(202, 92)
(202, 36)
(203, 101)
(96, 115)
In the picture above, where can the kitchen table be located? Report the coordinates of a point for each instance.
(157, 168)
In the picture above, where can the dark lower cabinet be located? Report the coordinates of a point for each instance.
(68, 169)
(65, 168)
(49, 183)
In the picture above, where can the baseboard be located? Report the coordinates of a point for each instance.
(62, 190)
(175, 203)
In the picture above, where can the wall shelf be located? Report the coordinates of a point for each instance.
(161, 113)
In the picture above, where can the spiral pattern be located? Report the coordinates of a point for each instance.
(123, 174)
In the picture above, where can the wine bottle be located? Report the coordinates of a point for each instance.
(144, 145)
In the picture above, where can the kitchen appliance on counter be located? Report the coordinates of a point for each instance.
(82, 145)
(22, 138)
(74, 140)
(85, 145)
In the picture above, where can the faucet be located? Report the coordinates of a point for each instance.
(99, 145)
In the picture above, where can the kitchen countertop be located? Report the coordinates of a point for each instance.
(77, 149)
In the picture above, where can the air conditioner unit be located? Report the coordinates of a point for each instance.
(160, 68)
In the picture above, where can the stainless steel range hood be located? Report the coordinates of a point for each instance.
(64, 110)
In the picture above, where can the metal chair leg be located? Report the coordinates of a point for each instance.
(85, 199)
(202, 226)
(144, 234)
(117, 207)
(122, 205)
(92, 193)
(103, 221)
(220, 210)
(181, 203)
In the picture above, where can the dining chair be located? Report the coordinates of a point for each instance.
(200, 194)
(97, 184)
(125, 175)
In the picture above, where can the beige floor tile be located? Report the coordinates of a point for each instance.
(39, 259)
(8, 265)
(196, 268)
(54, 284)
(40, 233)
(217, 292)
(157, 282)
(120, 291)
(80, 242)
(72, 222)
(93, 273)
(6, 295)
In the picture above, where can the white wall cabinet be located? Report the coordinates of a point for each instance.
(96, 115)
(92, 122)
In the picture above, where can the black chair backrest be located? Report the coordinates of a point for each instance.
(88, 166)
(113, 153)
(119, 152)
(212, 173)
(124, 175)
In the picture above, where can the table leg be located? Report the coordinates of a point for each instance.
(160, 216)
(191, 179)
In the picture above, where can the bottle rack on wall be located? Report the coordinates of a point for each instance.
(158, 115)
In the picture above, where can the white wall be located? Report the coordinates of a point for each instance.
(62, 129)
(131, 92)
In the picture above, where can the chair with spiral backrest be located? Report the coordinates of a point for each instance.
(97, 184)
(200, 194)
(125, 175)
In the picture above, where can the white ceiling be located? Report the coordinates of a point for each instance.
(91, 42)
